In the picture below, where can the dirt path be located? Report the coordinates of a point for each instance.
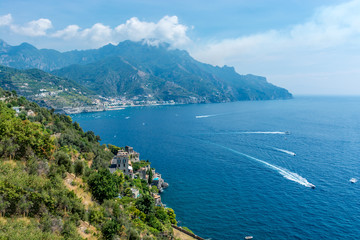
(181, 235)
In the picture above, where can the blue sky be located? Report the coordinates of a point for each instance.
(308, 46)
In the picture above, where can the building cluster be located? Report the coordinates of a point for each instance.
(123, 162)
(29, 113)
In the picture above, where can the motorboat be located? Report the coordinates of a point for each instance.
(312, 186)
(353, 180)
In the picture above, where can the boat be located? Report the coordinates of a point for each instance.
(353, 180)
(249, 237)
(312, 186)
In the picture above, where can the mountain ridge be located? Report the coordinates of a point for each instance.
(136, 70)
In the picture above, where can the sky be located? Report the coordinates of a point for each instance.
(310, 47)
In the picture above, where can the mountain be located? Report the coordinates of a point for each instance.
(139, 71)
(45, 88)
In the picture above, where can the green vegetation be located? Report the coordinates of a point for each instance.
(142, 163)
(114, 149)
(54, 178)
(187, 229)
(104, 185)
(44, 88)
(23, 228)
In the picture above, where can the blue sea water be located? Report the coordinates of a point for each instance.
(232, 170)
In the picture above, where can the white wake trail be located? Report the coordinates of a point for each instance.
(282, 171)
(284, 151)
(247, 132)
(204, 116)
(258, 132)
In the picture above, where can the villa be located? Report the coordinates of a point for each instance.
(122, 162)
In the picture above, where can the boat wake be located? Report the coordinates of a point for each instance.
(258, 132)
(204, 116)
(284, 151)
(247, 132)
(282, 171)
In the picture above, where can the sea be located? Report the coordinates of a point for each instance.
(248, 168)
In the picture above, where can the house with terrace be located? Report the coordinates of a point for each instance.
(122, 162)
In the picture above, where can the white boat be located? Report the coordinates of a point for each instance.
(353, 180)
(249, 237)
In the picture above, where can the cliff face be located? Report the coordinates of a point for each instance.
(133, 69)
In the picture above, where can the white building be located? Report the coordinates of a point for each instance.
(121, 162)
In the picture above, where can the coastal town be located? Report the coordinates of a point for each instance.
(128, 162)
(108, 104)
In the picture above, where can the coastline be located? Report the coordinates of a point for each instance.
(79, 110)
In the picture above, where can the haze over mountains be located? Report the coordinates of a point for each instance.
(138, 70)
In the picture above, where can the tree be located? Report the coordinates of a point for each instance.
(79, 167)
(24, 205)
(8, 147)
(133, 234)
(161, 214)
(3, 205)
(128, 192)
(154, 222)
(110, 229)
(170, 212)
(154, 189)
(63, 159)
(145, 204)
(69, 231)
(14, 93)
(150, 176)
(104, 185)
(114, 149)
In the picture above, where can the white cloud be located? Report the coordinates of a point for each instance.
(98, 33)
(135, 30)
(5, 20)
(69, 32)
(33, 28)
(330, 27)
(328, 41)
(168, 29)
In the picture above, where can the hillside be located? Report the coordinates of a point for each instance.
(55, 182)
(139, 71)
(44, 88)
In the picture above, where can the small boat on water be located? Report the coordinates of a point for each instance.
(353, 180)
(249, 237)
(312, 186)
